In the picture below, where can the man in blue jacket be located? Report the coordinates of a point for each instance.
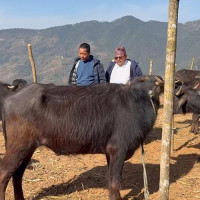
(121, 70)
(87, 69)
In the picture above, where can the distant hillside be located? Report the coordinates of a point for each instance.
(55, 48)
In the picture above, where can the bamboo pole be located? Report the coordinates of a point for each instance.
(192, 64)
(168, 98)
(150, 67)
(32, 63)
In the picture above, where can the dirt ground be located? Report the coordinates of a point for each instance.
(83, 177)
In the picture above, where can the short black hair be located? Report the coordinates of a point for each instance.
(85, 46)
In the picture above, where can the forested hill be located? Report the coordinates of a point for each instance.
(54, 48)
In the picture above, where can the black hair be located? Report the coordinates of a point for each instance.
(85, 46)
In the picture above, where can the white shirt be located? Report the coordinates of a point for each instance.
(121, 74)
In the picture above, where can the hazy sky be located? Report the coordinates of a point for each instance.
(39, 14)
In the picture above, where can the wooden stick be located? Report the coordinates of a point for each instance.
(192, 64)
(150, 67)
(32, 63)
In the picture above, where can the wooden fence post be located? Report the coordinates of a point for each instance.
(192, 64)
(168, 98)
(32, 63)
(150, 67)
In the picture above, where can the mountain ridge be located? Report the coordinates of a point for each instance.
(55, 48)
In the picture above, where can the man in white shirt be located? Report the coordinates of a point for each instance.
(122, 69)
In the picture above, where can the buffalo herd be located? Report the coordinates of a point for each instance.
(187, 95)
(109, 119)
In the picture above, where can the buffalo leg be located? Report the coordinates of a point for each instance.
(115, 172)
(4, 178)
(17, 178)
(195, 123)
(108, 160)
(192, 128)
(8, 167)
(192, 125)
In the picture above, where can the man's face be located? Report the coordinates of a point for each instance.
(83, 54)
(120, 59)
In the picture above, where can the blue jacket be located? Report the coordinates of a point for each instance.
(99, 73)
(135, 70)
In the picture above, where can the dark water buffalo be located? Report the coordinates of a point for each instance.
(189, 101)
(186, 79)
(8, 89)
(186, 75)
(147, 82)
(180, 87)
(109, 119)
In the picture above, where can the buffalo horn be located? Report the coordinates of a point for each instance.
(196, 86)
(11, 86)
(181, 102)
(179, 91)
(158, 80)
(177, 80)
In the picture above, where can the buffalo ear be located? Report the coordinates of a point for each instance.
(142, 78)
(20, 85)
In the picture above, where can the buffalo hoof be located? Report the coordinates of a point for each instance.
(191, 131)
(195, 132)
